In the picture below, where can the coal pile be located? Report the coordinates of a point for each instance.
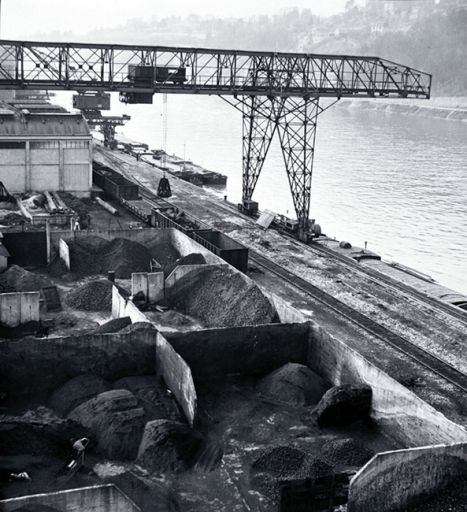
(163, 252)
(18, 279)
(94, 255)
(453, 498)
(190, 259)
(220, 297)
(280, 461)
(92, 296)
(345, 452)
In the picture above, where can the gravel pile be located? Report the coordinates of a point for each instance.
(345, 452)
(95, 255)
(220, 297)
(92, 296)
(18, 279)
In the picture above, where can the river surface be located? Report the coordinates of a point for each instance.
(397, 181)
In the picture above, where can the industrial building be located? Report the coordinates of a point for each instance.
(43, 147)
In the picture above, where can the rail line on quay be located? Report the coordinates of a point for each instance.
(433, 363)
(426, 359)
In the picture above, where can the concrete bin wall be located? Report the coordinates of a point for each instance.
(150, 283)
(19, 308)
(99, 498)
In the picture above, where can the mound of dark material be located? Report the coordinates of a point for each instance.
(75, 392)
(18, 279)
(152, 396)
(344, 404)
(168, 446)
(293, 383)
(163, 252)
(116, 422)
(190, 259)
(220, 297)
(280, 461)
(452, 498)
(57, 267)
(91, 296)
(94, 255)
(115, 325)
(37, 436)
(139, 326)
(345, 452)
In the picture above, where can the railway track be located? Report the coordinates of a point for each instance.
(376, 276)
(429, 361)
(422, 357)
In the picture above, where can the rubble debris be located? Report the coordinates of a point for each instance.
(116, 422)
(345, 452)
(92, 296)
(18, 279)
(194, 258)
(220, 297)
(293, 383)
(114, 325)
(75, 392)
(94, 255)
(344, 404)
(168, 446)
(152, 395)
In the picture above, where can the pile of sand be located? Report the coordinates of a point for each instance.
(18, 279)
(92, 296)
(220, 297)
(94, 255)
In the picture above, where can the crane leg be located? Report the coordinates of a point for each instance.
(297, 131)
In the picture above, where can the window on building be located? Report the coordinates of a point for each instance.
(11, 144)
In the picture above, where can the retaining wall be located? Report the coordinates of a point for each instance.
(100, 498)
(122, 307)
(177, 375)
(152, 285)
(34, 367)
(396, 409)
(394, 480)
(213, 353)
(19, 308)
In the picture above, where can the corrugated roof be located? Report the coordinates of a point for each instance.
(42, 125)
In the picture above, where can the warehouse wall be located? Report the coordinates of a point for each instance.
(47, 165)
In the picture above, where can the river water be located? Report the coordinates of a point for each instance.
(397, 181)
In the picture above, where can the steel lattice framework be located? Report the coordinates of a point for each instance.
(276, 92)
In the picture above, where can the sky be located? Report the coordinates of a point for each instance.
(25, 19)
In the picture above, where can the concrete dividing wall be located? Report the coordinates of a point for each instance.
(287, 313)
(177, 376)
(122, 307)
(214, 353)
(394, 480)
(64, 252)
(19, 308)
(49, 363)
(151, 284)
(405, 416)
(101, 498)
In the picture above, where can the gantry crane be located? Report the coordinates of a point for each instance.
(276, 92)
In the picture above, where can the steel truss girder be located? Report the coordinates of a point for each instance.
(105, 67)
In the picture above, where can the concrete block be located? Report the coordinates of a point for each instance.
(177, 376)
(64, 253)
(19, 308)
(156, 287)
(139, 283)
